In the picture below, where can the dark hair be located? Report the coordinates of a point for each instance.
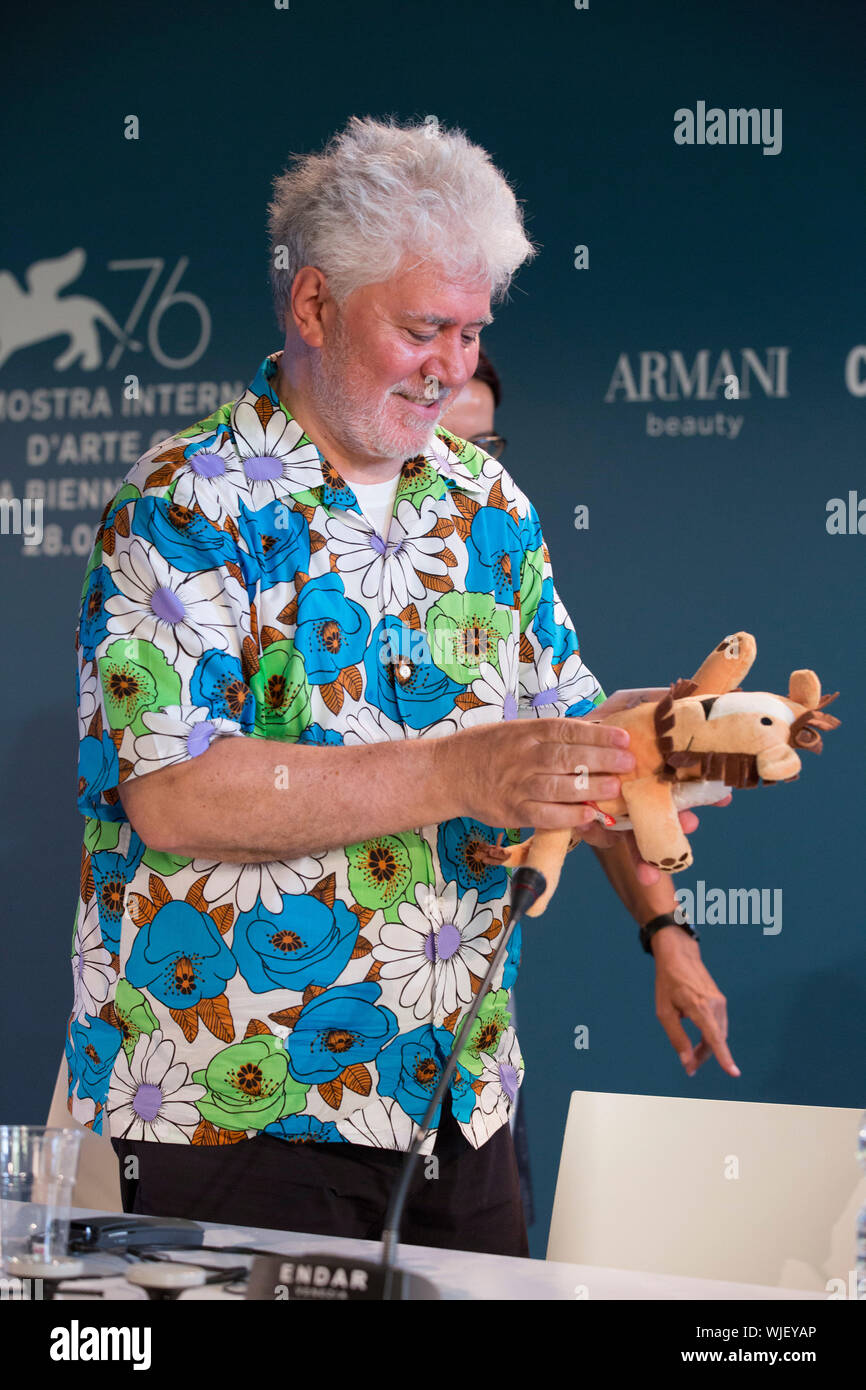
(486, 372)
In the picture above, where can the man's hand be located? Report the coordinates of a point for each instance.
(685, 989)
(535, 772)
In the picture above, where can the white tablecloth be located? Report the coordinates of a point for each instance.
(458, 1274)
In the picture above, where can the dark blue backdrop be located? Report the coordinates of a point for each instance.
(692, 249)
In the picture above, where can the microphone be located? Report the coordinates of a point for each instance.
(527, 886)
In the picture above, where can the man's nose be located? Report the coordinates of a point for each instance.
(451, 364)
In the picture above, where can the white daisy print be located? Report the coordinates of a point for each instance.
(84, 1109)
(213, 480)
(501, 1078)
(371, 726)
(558, 693)
(179, 732)
(92, 972)
(249, 882)
(560, 612)
(451, 467)
(383, 1125)
(88, 685)
(433, 949)
(177, 612)
(440, 729)
(275, 456)
(151, 1097)
(493, 472)
(498, 691)
(389, 568)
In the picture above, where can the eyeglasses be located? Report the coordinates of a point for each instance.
(492, 444)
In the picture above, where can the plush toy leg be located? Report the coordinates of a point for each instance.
(657, 829)
(515, 855)
(725, 667)
(545, 851)
(512, 855)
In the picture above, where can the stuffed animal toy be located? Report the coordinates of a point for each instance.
(704, 738)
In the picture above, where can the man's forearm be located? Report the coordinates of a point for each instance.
(252, 800)
(643, 901)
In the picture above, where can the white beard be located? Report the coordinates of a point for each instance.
(354, 418)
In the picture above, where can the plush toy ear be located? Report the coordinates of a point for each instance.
(804, 688)
(725, 667)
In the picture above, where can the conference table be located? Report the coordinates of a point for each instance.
(458, 1275)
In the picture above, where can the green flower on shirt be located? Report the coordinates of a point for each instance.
(221, 416)
(100, 835)
(136, 677)
(383, 872)
(248, 1085)
(531, 574)
(469, 454)
(128, 492)
(134, 1014)
(311, 498)
(163, 863)
(463, 630)
(492, 1021)
(418, 479)
(282, 692)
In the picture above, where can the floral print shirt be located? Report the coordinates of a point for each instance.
(236, 590)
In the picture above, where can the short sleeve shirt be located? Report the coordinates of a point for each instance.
(236, 590)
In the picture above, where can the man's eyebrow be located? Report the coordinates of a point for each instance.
(437, 321)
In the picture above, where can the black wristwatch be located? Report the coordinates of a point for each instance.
(664, 919)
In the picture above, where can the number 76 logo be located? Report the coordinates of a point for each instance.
(39, 312)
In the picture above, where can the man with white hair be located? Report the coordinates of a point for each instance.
(308, 628)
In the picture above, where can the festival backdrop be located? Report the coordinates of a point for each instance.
(684, 378)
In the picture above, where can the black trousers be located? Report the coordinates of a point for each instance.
(469, 1201)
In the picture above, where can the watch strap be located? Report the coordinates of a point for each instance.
(664, 919)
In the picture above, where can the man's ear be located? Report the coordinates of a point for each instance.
(309, 301)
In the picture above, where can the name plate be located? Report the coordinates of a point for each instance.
(331, 1278)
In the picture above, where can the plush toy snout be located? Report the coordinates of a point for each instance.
(778, 764)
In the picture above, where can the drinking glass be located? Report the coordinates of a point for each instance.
(37, 1174)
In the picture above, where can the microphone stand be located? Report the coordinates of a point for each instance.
(527, 885)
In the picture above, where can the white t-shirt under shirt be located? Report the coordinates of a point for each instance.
(376, 501)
